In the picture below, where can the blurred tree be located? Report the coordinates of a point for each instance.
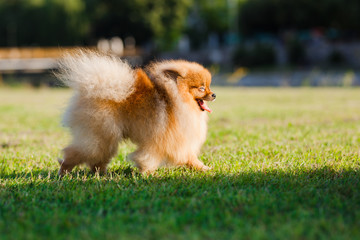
(295, 52)
(70, 22)
(258, 55)
(162, 20)
(276, 15)
(42, 22)
(208, 17)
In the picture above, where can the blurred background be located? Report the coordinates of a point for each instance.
(242, 42)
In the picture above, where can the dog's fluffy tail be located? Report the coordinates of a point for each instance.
(95, 75)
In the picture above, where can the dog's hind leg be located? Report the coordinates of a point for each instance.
(95, 152)
(100, 167)
(72, 157)
(147, 160)
(103, 156)
(96, 129)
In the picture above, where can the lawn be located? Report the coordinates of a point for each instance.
(285, 165)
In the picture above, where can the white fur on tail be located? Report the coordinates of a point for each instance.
(97, 76)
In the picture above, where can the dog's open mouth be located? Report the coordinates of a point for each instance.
(203, 106)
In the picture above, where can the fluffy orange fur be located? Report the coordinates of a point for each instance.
(159, 108)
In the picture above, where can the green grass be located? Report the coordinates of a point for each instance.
(285, 166)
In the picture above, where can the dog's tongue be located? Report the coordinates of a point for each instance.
(204, 106)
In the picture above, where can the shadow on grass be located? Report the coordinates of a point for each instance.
(342, 184)
(323, 178)
(309, 203)
(76, 173)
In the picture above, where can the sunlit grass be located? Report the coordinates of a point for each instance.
(285, 164)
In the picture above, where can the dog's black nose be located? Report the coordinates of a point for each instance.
(213, 95)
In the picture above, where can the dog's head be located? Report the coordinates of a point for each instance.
(193, 82)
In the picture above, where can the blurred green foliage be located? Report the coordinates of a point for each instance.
(69, 22)
(276, 15)
(162, 22)
(207, 17)
(259, 55)
(336, 58)
(295, 51)
(42, 22)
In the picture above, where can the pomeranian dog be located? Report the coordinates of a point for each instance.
(161, 108)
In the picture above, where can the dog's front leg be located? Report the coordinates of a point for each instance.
(194, 162)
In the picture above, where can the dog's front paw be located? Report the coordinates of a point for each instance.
(206, 168)
(146, 171)
(198, 165)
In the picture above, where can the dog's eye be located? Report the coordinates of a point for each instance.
(201, 89)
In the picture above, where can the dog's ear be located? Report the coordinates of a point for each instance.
(172, 74)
